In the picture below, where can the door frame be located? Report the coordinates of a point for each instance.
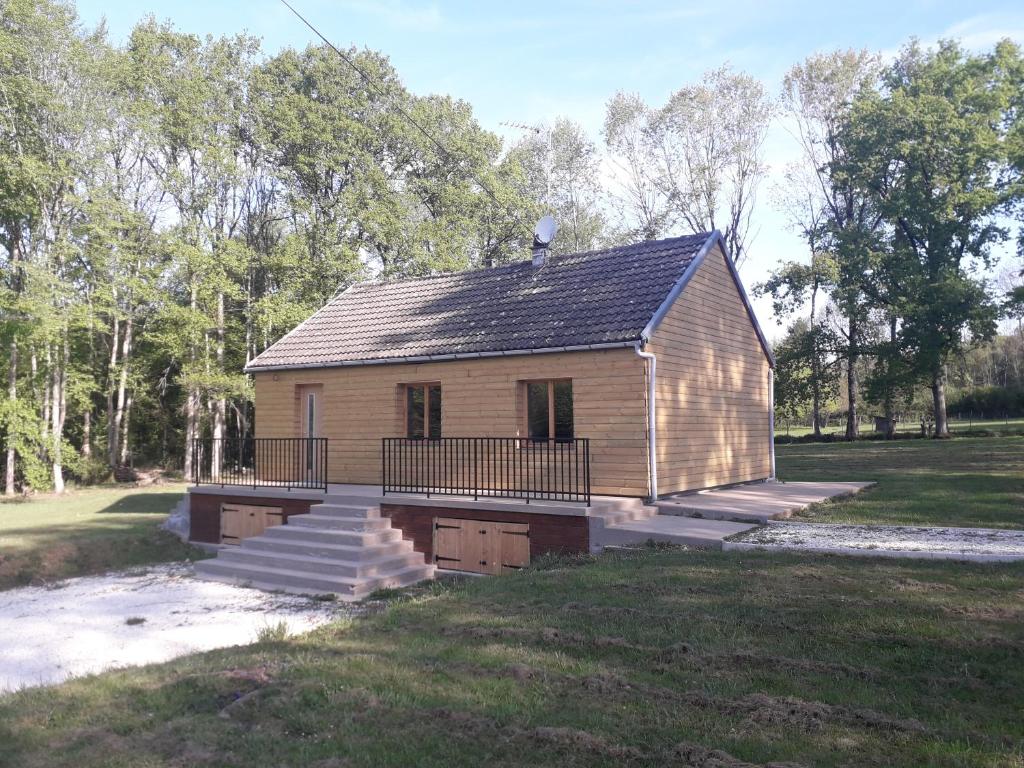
(307, 395)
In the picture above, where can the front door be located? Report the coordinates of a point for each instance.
(310, 425)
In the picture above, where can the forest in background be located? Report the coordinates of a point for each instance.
(171, 206)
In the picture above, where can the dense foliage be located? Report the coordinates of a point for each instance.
(911, 174)
(171, 206)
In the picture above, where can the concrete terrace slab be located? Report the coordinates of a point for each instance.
(755, 502)
(972, 544)
(671, 529)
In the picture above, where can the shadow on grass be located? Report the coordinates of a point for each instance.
(144, 503)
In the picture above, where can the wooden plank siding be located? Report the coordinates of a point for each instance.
(481, 397)
(712, 387)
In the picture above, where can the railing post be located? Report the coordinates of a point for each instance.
(586, 456)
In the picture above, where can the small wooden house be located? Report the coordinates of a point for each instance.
(634, 372)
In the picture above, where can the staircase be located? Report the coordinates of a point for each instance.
(608, 516)
(342, 547)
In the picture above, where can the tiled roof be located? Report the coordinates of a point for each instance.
(583, 299)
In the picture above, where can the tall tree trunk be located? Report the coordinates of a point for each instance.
(115, 344)
(125, 424)
(219, 405)
(87, 432)
(12, 370)
(47, 395)
(191, 403)
(890, 393)
(815, 367)
(122, 394)
(852, 384)
(12, 395)
(58, 411)
(939, 401)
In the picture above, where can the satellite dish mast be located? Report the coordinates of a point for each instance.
(543, 234)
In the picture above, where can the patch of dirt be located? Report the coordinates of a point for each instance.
(548, 635)
(913, 585)
(749, 660)
(813, 715)
(576, 739)
(696, 756)
(982, 612)
(605, 610)
(523, 672)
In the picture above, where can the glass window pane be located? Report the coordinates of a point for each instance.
(435, 412)
(537, 409)
(563, 410)
(414, 412)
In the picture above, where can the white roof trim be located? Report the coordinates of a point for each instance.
(715, 238)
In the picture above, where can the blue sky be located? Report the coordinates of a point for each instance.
(530, 62)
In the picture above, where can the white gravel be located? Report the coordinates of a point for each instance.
(977, 544)
(80, 626)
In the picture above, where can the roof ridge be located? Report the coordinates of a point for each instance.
(702, 236)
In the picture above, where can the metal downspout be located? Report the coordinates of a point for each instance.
(652, 422)
(771, 419)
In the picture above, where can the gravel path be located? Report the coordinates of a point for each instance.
(977, 544)
(89, 624)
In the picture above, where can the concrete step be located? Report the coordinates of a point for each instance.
(320, 566)
(331, 536)
(618, 514)
(301, 582)
(681, 506)
(705, 534)
(346, 510)
(351, 500)
(313, 548)
(338, 522)
(349, 523)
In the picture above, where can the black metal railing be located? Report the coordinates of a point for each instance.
(494, 467)
(261, 462)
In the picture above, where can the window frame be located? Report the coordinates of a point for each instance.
(550, 384)
(426, 386)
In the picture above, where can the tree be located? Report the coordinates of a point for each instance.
(832, 215)
(798, 391)
(562, 172)
(641, 201)
(710, 138)
(931, 149)
(793, 286)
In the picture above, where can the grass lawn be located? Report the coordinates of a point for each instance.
(86, 531)
(956, 426)
(635, 659)
(966, 482)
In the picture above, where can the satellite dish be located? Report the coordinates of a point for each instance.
(545, 231)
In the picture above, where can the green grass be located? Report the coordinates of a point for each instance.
(956, 426)
(86, 531)
(961, 482)
(635, 659)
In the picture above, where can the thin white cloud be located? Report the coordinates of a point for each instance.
(975, 33)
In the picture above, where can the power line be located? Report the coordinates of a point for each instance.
(442, 150)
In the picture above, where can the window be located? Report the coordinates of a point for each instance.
(549, 410)
(423, 411)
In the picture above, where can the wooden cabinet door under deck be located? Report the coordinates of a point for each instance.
(481, 547)
(240, 521)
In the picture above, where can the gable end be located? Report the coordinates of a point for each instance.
(715, 238)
